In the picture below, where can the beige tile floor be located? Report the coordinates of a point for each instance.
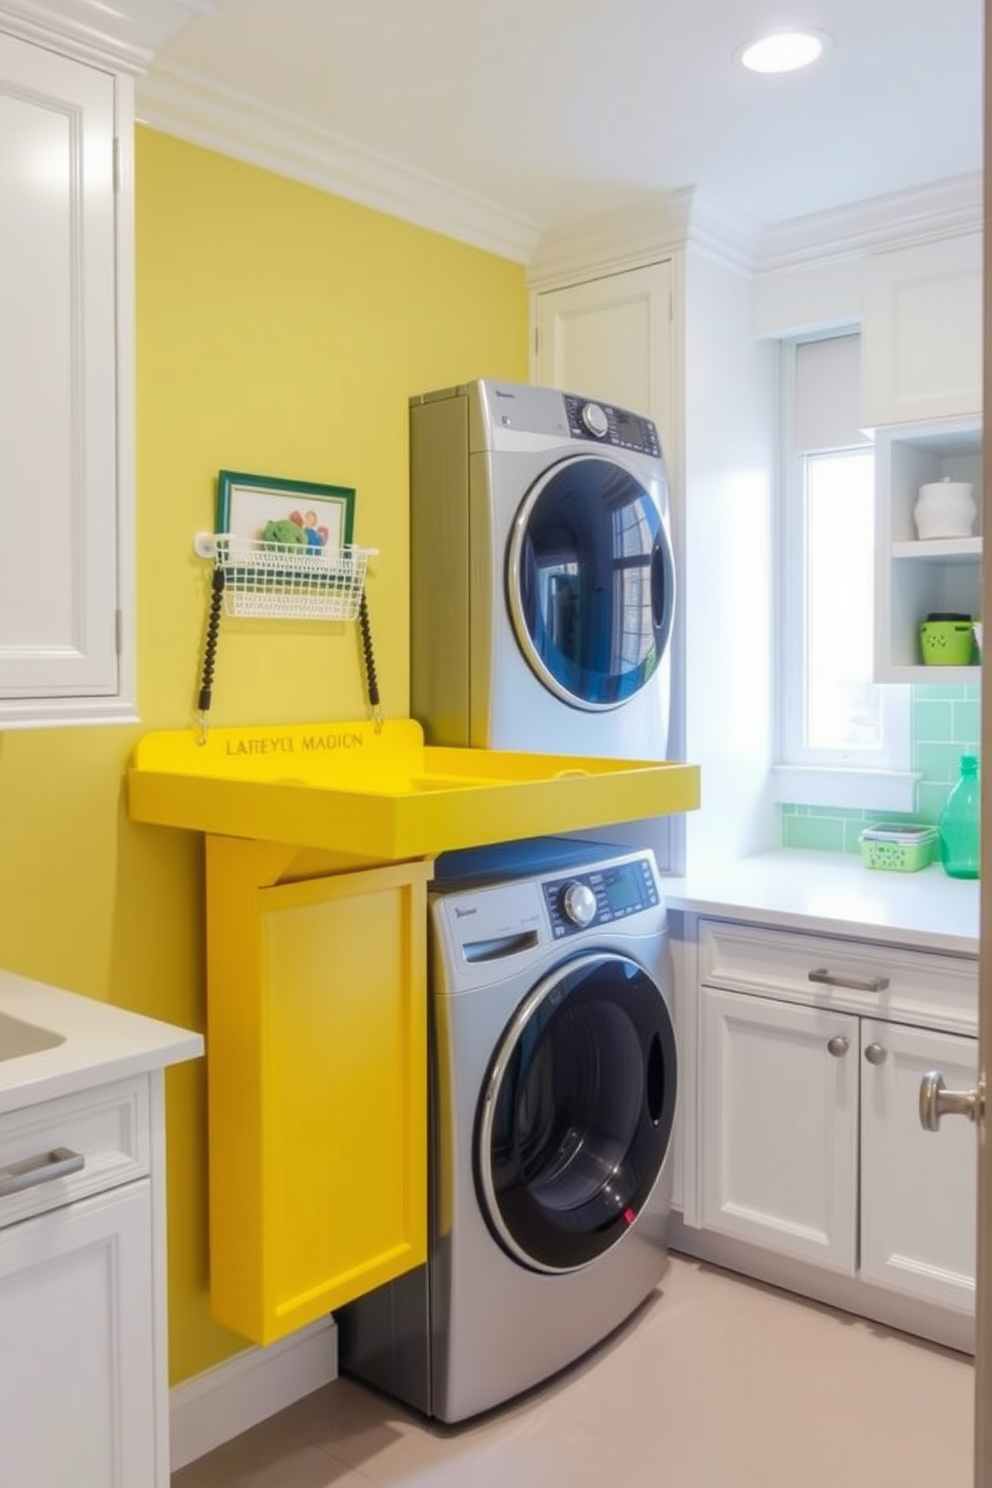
(718, 1382)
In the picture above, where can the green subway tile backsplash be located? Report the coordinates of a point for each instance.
(933, 721)
(946, 723)
(937, 761)
(967, 721)
(814, 831)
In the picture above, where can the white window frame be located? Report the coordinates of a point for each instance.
(803, 776)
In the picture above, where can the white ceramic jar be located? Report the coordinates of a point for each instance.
(945, 508)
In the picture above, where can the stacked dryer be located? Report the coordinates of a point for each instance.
(542, 577)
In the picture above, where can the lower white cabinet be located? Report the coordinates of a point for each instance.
(83, 1398)
(77, 1403)
(918, 1188)
(809, 1140)
(780, 1126)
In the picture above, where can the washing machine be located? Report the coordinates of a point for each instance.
(553, 1086)
(542, 577)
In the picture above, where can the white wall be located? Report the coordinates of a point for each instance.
(729, 463)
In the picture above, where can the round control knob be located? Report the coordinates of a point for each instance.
(594, 419)
(578, 903)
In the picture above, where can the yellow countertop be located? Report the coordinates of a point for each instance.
(380, 794)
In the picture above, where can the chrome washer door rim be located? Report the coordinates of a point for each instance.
(654, 1133)
(660, 586)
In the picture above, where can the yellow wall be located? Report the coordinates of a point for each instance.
(279, 331)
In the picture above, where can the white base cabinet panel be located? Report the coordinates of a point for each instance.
(779, 1126)
(918, 1188)
(808, 1145)
(76, 1405)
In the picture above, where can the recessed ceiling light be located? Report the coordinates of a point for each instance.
(783, 51)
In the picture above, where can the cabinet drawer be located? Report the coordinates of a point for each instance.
(107, 1127)
(924, 988)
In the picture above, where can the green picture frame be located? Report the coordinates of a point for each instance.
(251, 506)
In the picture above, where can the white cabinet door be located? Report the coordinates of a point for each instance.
(611, 338)
(922, 332)
(77, 1393)
(778, 1119)
(59, 561)
(918, 1188)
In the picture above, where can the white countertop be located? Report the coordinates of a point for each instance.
(835, 894)
(100, 1043)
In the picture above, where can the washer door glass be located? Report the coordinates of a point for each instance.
(591, 582)
(577, 1113)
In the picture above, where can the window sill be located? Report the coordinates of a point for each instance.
(857, 790)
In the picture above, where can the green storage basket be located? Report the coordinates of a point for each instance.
(898, 849)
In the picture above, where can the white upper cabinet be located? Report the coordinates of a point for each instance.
(611, 337)
(922, 337)
(66, 566)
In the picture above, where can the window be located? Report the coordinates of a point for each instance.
(845, 740)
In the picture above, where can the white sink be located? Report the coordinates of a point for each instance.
(17, 1038)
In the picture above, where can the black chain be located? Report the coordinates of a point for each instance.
(371, 682)
(210, 647)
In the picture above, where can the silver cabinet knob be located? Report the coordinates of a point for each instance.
(876, 1054)
(937, 1101)
(838, 1046)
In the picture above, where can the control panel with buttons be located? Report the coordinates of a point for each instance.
(602, 897)
(604, 423)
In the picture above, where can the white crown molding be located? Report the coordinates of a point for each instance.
(615, 241)
(180, 103)
(611, 242)
(102, 34)
(725, 235)
(942, 209)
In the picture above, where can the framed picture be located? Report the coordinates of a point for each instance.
(264, 508)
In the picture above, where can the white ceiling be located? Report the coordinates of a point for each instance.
(549, 110)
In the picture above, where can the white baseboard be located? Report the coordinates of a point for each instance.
(222, 1402)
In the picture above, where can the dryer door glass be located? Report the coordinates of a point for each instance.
(591, 581)
(577, 1112)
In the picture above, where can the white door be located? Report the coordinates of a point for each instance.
(918, 1207)
(983, 1373)
(58, 456)
(77, 1393)
(779, 1126)
(611, 338)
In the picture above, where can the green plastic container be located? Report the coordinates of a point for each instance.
(899, 849)
(947, 642)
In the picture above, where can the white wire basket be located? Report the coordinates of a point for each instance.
(282, 581)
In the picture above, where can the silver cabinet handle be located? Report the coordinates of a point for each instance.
(831, 979)
(876, 1054)
(31, 1171)
(838, 1046)
(937, 1101)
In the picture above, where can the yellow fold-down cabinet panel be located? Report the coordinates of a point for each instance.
(317, 1057)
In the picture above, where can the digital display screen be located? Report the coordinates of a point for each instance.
(622, 889)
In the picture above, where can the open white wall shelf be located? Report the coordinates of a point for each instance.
(916, 578)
